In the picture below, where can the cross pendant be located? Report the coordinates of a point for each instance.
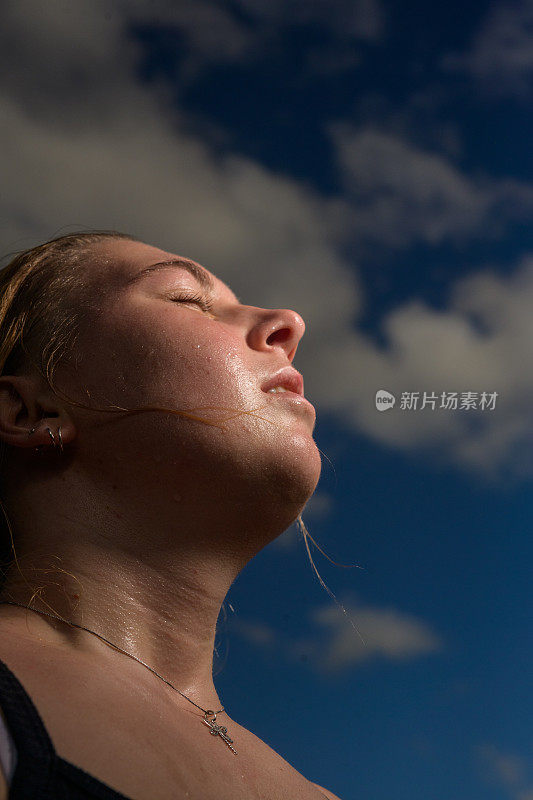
(218, 730)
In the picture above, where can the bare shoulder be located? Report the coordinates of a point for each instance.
(63, 686)
(326, 792)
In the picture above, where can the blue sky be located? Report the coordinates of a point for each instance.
(368, 164)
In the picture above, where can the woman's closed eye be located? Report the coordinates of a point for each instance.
(205, 305)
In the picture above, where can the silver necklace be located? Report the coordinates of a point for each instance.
(215, 730)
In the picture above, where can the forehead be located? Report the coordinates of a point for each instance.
(123, 261)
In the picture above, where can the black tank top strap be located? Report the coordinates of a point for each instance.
(40, 774)
(35, 750)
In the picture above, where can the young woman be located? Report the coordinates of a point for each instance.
(146, 460)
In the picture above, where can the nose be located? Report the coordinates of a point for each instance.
(277, 328)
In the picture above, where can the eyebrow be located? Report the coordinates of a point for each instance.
(200, 274)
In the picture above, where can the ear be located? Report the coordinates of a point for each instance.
(26, 404)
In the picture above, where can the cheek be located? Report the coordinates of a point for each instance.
(195, 365)
(156, 362)
(169, 358)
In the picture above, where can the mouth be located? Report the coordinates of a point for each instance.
(286, 381)
(288, 384)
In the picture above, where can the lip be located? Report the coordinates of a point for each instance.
(289, 379)
(296, 399)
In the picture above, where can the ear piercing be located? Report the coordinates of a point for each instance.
(58, 444)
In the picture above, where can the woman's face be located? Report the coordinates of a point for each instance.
(150, 345)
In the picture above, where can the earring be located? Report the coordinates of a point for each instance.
(59, 444)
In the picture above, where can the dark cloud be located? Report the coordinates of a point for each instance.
(501, 54)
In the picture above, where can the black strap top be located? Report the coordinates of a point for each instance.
(41, 774)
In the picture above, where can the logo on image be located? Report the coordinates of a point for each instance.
(384, 400)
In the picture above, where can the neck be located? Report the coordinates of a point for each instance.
(163, 615)
(146, 568)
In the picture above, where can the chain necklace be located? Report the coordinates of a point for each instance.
(215, 730)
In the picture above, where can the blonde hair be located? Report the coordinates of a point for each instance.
(40, 293)
(44, 297)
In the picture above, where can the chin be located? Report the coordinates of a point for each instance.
(295, 473)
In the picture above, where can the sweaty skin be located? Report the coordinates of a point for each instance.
(152, 516)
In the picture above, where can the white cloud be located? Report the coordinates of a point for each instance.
(256, 633)
(399, 194)
(386, 633)
(213, 32)
(501, 55)
(118, 156)
(481, 342)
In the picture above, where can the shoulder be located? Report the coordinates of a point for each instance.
(326, 792)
